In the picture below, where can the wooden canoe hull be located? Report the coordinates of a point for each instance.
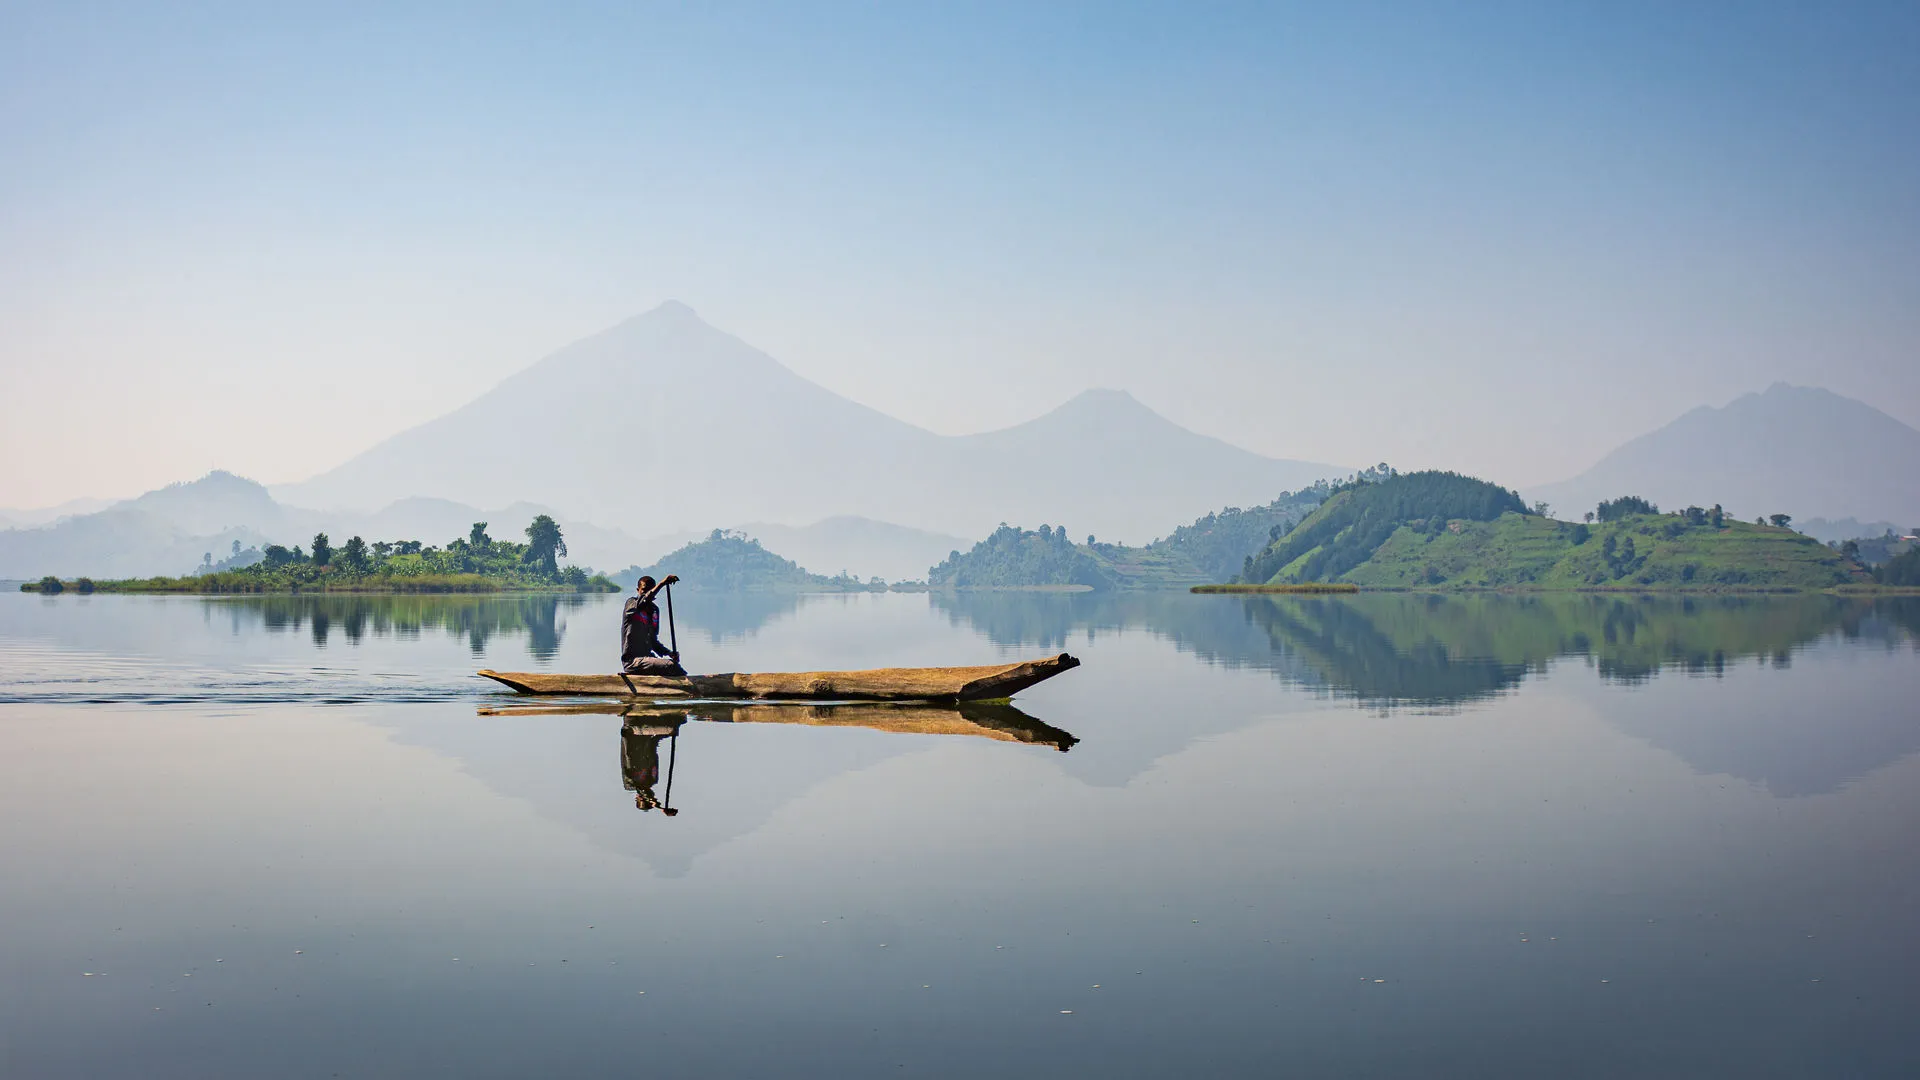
(879, 684)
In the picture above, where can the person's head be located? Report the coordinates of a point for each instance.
(645, 583)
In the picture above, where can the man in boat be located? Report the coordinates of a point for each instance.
(641, 652)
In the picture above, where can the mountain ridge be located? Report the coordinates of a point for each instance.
(1803, 451)
(664, 423)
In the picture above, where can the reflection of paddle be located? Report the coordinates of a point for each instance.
(673, 755)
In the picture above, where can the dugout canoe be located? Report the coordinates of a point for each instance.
(990, 719)
(949, 684)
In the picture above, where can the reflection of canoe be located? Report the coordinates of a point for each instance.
(879, 684)
(992, 720)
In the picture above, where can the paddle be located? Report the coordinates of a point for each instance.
(673, 639)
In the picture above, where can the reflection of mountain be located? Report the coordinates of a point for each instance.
(1810, 731)
(1393, 649)
(734, 767)
(1426, 649)
(476, 618)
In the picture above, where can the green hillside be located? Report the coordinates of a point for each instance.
(728, 561)
(1033, 558)
(1360, 516)
(1212, 548)
(1437, 530)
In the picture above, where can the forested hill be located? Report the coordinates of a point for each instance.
(1211, 548)
(1359, 517)
(730, 561)
(1441, 530)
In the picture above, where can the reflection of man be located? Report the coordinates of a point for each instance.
(640, 764)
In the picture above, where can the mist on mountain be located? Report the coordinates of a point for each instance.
(1791, 450)
(664, 423)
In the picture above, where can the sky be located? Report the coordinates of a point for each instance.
(1495, 237)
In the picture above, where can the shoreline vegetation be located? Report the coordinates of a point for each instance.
(1297, 587)
(1378, 531)
(1856, 589)
(476, 563)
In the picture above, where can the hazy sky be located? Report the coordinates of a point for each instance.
(1500, 237)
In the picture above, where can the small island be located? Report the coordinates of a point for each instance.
(476, 563)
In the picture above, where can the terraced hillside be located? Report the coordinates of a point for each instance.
(1436, 530)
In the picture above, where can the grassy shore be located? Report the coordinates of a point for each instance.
(257, 584)
(1863, 589)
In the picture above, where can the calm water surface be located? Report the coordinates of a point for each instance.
(1381, 835)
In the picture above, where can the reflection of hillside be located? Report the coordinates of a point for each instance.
(1353, 654)
(1393, 648)
(1220, 633)
(476, 618)
(730, 616)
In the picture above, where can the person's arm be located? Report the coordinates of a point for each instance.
(655, 591)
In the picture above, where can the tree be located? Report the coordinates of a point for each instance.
(206, 560)
(1851, 549)
(543, 543)
(477, 537)
(1625, 506)
(353, 555)
(1780, 521)
(1581, 534)
(1543, 509)
(1589, 517)
(50, 585)
(277, 556)
(1716, 516)
(236, 549)
(1695, 516)
(322, 549)
(382, 548)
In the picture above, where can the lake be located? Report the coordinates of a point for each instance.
(1384, 835)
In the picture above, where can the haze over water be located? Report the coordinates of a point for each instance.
(1381, 835)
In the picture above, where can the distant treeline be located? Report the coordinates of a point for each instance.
(474, 563)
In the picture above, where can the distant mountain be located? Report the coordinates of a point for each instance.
(860, 546)
(664, 423)
(1845, 529)
(165, 531)
(170, 530)
(1791, 450)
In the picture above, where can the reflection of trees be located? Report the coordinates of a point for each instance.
(1427, 649)
(730, 616)
(476, 618)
